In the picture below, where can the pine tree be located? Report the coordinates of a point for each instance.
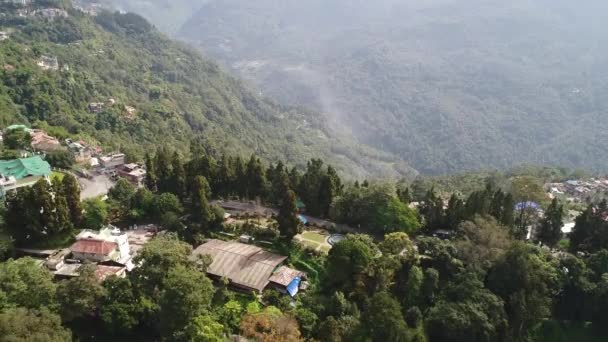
(70, 190)
(289, 223)
(201, 212)
(151, 179)
(404, 195)
(508, 211)
(163, 170)
(178, 176)
(240, 177)
(256, 179)
(225, 177)
(550, 227)
(454, 213)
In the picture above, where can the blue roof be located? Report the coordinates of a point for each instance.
(527, 205)
(294, 286)
(303, 219)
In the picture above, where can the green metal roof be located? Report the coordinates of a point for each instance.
(14, 127)
(25, 167)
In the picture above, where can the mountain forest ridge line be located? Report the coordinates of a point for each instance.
(174, 95)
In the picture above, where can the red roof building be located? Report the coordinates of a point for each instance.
(95, 250)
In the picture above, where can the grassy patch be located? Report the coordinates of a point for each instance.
(57, 176)
(314, 236)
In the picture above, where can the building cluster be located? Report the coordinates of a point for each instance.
(110, 250)
(578, 190)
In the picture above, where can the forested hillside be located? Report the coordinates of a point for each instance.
(449, 85)
(154, 91)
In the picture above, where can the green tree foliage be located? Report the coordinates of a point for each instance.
(37, 213)
(178, 176)
(23, 325)
(81, 296)
(526, 281)
(375, 208)
(467, 312)
(482, 242)
(205, 329)
(151, 179)
(17, 139)
(24, 283)
(347, 263)
(289, 223)
(96, 213)
(62, 159)
(186, 295)
(549, 230)
(71, 193)
(201, 211)
(121, 308)
(590, 233)
(384, 319)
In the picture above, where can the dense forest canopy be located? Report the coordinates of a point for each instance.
(448, 85)
(174, 93)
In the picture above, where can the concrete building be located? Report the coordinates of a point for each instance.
(112, 161)
(134, 173)
(18, 173)
(94, 250)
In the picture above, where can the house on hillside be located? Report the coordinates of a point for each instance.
(112, 161)
(247, 267)
(82, 153)
(96, 107)
(48, 63)
(51, 13)
(4, 35)
(18, 173)
(133, 172)
(44, 142)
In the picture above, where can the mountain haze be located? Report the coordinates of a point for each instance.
(176, 95)
(449, 85)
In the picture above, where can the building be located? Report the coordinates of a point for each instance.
(44, 142)
(134, 173)
(82, 153)
(4, 35)
(247, 267)
(95, 250)
(18, 173)
(112, 161)
(51, 13)
(110, 234)
(288, 280)
(48, 63)
(96, 107)
(103, 271)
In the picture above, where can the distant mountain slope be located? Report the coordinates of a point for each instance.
(167, 15)
(449, 85)
(174, 93)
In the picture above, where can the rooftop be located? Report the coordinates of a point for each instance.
(244, 265)
(285, 275)
(92, 246)
(25, 167)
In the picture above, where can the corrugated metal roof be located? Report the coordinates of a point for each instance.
(21, 168)
(91, 246)
(285, 275)
(244, 265)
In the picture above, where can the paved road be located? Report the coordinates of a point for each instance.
(99, 185)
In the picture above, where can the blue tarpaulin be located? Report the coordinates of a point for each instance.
(527, 205)
(303, 219)
(294, 286)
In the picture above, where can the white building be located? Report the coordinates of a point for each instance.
(113, 235)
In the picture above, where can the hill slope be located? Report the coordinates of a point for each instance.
(177, 94)
(449, 85)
